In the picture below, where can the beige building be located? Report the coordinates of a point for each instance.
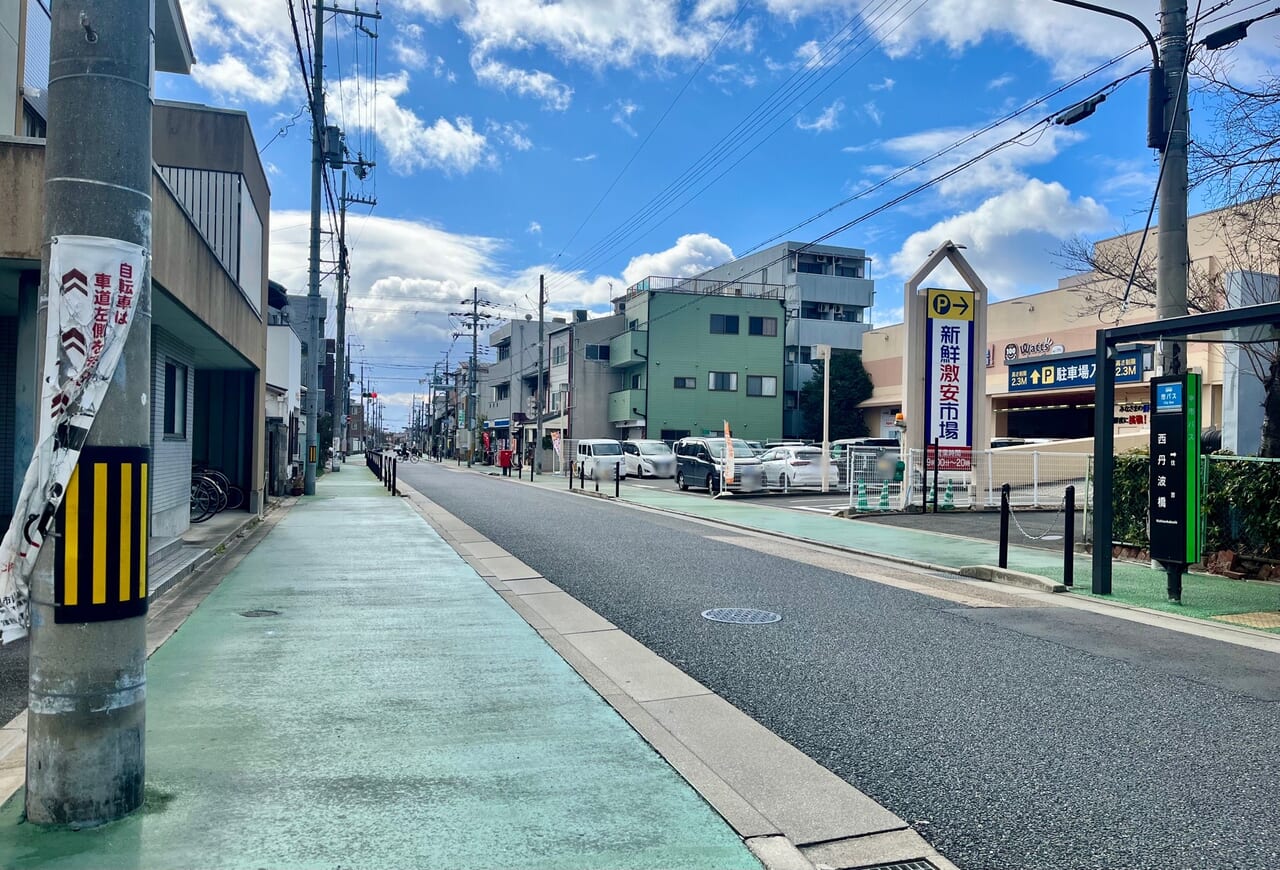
(1039, 350)
(210, 212)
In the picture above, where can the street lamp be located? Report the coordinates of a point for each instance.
(1168, 129)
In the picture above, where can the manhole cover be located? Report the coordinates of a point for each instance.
(741, 615)
(259, 613)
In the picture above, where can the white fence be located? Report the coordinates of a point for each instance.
(1035, 479)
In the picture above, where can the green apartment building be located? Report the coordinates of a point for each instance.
(696, 353)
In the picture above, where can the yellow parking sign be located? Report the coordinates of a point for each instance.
(950, 304)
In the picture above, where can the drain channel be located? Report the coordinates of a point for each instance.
(741, 615)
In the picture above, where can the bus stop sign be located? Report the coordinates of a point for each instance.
(1175, 484)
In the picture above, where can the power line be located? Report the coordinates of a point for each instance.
(824, 63)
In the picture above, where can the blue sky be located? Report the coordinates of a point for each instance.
(497, 126)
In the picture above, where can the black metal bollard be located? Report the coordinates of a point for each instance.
(395, 490)
(570, 476)
(595, 475)
(582, 476)
(935, 476)
(1004, 526)
(1069, 540)
(617, 480)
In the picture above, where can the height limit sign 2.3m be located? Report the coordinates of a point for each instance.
(949, 348)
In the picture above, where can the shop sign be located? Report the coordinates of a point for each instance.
(1013, 350)
(948, 380)
(1132, 414)
(1072, 371)
(1175, 469)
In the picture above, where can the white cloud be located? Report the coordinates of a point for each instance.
(535, 228)
(997, 171)
(873, 112)
(690, 255)
(811, 55)
(411, 143)
(1011, 238)
(623, 109)
(885, 85)
(550, 91)
(999, 82)
(827, 120)
(408, 46)
(511, 134)
(585, 158)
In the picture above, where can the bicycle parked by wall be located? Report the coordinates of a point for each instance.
(211, 493)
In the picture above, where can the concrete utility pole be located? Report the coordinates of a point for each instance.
(471, 388)
(341, 383)
(538, 410)
(315, 305)
(86, 722)
(1171, 249)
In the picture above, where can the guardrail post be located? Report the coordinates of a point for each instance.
(1004, 525)
(1069, 539)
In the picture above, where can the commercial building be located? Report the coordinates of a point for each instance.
(827, 293)
(1039, 356)
(210, 209)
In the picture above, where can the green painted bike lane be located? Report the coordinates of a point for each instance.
(1203, 596)
(395, 713)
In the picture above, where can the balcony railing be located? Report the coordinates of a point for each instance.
(629, 349)
(705, 287)
(626, 405)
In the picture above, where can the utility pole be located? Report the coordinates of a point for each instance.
(86, 723)
(1171, 244)
(326, 147)
(315, 355)
(340, 369)
(471, 390)
(474, 316)
(542, 322)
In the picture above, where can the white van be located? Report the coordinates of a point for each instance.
(601, 459)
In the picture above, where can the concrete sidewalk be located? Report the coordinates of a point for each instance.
(354, 694)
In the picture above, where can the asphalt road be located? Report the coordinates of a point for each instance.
(1019, 737)
(13, 679)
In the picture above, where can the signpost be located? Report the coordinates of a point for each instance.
(1076, 370)
(949, 355)
(1175, 485)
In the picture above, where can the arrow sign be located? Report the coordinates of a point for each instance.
(73, 341)
(75, 280)
(963, 304)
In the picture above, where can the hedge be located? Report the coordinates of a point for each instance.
(1241, 504)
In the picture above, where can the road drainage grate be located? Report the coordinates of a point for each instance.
(919, 864)
(259, 613)
(741, 615)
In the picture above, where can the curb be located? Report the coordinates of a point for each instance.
(867, 835)
(1034, 582)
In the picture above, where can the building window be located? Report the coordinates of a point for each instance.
(686, 383)
(175, 399)
(849, 269)
(598, 352)
(501, 392)
(724, 324)
(504, 351)
(813, 264)
(559, 354)
(806, 356)
(722, 381)
(635, 382)
(810, 311)
(633, 325)
(762, 326)
(762, 385)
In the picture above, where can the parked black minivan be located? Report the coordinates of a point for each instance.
(700, 463)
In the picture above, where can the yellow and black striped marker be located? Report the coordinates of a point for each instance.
(101, 559)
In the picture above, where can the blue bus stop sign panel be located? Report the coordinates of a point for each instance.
(1169, 398)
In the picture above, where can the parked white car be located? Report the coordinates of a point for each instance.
(649, 458)
(791, 466)
(601, 459)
